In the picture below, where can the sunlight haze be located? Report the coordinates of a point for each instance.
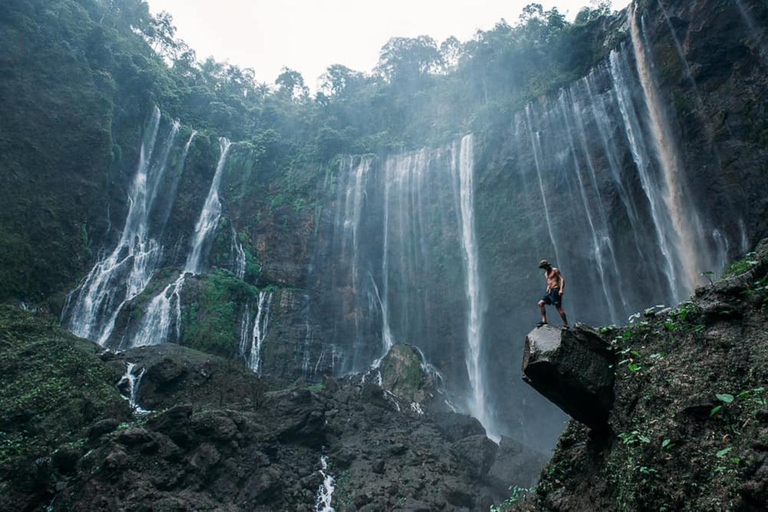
(310, 35)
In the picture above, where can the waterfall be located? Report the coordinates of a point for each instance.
(209, 217)
(307, 356)
(126, 271)
(165, 309)
(386, 331)
(473, 292)
(162, 312)
(596, 244)
(353, 207)
(638, 147)
(683, 238)
(245, 331)
(536, 145)
(239, 253)
(133, 382)
(325, 491)
(260, 326)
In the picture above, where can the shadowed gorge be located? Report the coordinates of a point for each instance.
(363, 258)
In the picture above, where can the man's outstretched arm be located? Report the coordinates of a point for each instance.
(562, 282)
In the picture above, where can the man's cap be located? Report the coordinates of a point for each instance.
(544, 264)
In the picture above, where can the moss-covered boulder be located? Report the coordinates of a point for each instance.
(402, 374)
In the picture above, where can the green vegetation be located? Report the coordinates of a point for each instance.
(211, 320)
(690, 403)
(740, 266)
(81, 76)
(52, 386)
(518, 494)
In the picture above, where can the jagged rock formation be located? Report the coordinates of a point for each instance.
(574, 369)
(690, 416)
(207, 433)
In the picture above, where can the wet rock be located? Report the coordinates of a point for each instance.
(412, 505)
(65, 458)
(717, 310)
(573, 369)
(402, 375)
(102, 427)
(514, 465)
(377, 466)
(134, 437)
(477, 453)
(454, 426)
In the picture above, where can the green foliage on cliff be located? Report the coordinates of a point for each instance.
(52, 386)
(80, 76)
(689, 420)
(214, 308)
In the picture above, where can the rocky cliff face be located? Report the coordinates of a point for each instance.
(689, 419)
(303, 248)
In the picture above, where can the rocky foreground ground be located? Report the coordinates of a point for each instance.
(196, 432)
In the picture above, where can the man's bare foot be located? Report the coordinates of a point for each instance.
(541, 324)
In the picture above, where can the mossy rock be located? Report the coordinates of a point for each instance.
(402, 374)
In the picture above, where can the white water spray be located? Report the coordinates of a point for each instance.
(683, 237)
(127, 270)
(325, 491)
(165, 309)
(260, 327)
(473, 292)
(133, 382)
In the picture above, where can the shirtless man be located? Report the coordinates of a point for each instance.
(554, 294)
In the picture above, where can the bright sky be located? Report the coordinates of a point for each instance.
(310, 35)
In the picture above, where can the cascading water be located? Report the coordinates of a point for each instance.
(465, 171)
(239, 255)
(132, 382)
(325, 491)
(683, 234)
(209, 216)
(126, 271)
(401, 232)
(260, 330)
(536, 145)
(245, 331)
(164, 311)
(640, 154)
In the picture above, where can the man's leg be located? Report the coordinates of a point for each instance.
(543, 312)
(562, 315)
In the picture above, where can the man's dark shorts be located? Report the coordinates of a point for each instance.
(553, 297)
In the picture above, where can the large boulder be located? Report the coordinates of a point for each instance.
(403, 376)
(573, 368)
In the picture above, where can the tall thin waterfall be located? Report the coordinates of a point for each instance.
(260, 328)
(126, 271)
(536, 145)
(639, 148)
(597, 239)
(165, 309)
(239, 255)
(209, 216)
(683, 235)
(473, 287)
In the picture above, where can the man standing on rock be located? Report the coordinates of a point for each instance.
(554, 294)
